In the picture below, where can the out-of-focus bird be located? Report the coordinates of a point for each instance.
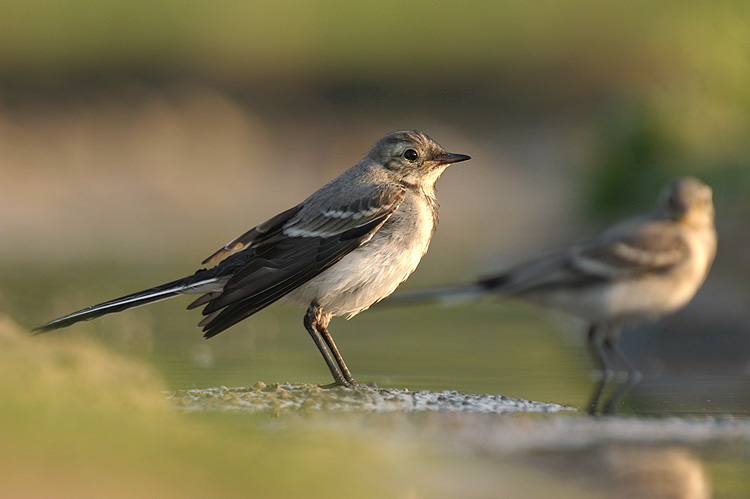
(638, 269)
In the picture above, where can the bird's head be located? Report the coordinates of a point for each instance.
(412, 158)
(688, 200)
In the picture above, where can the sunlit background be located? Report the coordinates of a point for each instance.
(136, 138)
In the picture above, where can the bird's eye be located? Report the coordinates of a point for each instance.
(411, 155)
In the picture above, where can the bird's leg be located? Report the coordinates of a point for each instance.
(611, 345)
(312, 317)
(632, 374)
(595, 339)
(322, 327)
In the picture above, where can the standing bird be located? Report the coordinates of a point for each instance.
(640, 268)
(346, 247)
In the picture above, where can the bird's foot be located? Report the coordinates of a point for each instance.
(343, 383)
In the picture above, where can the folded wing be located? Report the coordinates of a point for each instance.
(286, 252)
(649, 248)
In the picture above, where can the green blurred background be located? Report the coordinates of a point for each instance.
(138, 137)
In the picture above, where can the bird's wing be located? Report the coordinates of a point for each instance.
(649, 248)
(258, 232)
(298, 249)
(627, 253)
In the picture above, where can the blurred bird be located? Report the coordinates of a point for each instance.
(640, 268)
(347, 246)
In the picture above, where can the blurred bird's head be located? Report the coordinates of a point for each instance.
(688, 200)
(412, 158)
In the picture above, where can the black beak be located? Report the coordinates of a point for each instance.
(450, 158)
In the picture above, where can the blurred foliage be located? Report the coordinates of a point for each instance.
(251, 39)
(695, 121)
(631, 160)
(331, 39)
(636, 152)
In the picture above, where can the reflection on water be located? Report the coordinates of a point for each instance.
(696, 394)
(627, 472)
(670, 472)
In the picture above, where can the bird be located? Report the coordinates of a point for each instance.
(639, 269)
(344, 248)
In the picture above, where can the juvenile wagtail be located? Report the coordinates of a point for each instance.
(347, 246)
(640, 268)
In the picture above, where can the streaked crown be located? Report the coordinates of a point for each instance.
(412, 156)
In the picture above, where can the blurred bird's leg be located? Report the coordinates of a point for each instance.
(632, 376)
(312, 318)
(595, 341)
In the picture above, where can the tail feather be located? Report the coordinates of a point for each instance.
(152, 295)
(455, 295)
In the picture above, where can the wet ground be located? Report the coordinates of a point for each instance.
(604, 456)
(287, 398)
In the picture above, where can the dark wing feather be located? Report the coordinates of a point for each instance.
(256, 233)
(302, 249)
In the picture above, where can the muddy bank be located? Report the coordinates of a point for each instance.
(307, 398)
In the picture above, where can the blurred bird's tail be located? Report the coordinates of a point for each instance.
(197, 283)
(456, 295)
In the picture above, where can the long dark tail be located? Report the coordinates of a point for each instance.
(196, 283)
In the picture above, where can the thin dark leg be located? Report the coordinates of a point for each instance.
(595, 345)
(633, 376)
(311, 318)
(336, 355)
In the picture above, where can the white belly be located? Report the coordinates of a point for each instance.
(373, 271)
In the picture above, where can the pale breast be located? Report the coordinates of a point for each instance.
(373, 271)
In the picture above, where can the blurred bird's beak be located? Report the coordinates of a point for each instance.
(450, 158)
